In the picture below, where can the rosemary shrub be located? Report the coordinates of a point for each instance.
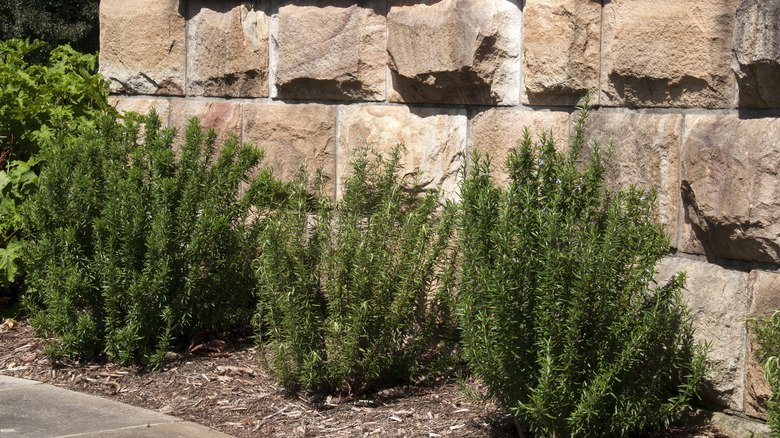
(767, 352)
(348, 295)
(137, 250)
(560, 315)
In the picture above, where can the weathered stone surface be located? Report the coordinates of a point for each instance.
(561, 51)
(756, 53)
(668, 53)
(142, 106)
(435, 141)
(730, 190)
(455, 51)
(227, 46)
(764, 300)
(142, 46)
(497, 131)
(293, 135)
(223, 117)
(646, 152)
(333, 51)
(718, 299)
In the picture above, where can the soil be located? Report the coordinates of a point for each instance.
(221, 383)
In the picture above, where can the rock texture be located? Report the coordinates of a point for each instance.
(668, 53)
(223, 117)
(764, 300)
(435, 141)
(142, 46)
(333, 51)
(294, 135)
(142, 106)
(454, 51)
(646, 152)
(497, 131)
(756, 53)
(227, 45)
(561, 51)
(730, 191)
(718, 299)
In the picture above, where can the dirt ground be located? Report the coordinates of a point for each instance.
(221, 383)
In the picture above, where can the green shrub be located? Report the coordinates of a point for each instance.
(347, 292)
(559, 315)
(136, 250)
(767, 339)
(39, 106)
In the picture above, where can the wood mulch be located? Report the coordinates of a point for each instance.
(221, 383)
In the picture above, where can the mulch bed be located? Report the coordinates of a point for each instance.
(220, 383)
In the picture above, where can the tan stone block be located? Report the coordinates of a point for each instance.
(227, 46)
(435, 141)
(646, 153)
(334, 51)
(497, 131)
(223, 117)
(141, 106)
(142, 46)
(718, 299)
(756, 53)
(561, 51)
(455, 51)
(294, 135)
(730, 190)
(668, 53)
(764, 301)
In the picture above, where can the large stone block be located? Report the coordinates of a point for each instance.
(668, 53)
(497, 131)
(718, 299)
(435, 141)
(764, 300)
(227, 46)
(333, 51)
(756, 53)
(223, 117)
(455, 51)
(561, 51)
(646, 152)
(730, 190)
(294, 135)
(142, 46)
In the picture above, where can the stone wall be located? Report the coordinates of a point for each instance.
(688, 91)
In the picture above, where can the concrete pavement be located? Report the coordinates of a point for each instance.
(33, 409)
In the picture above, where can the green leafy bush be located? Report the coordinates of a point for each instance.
(39, 106)
(136, 250)
(559, 315)
(767, 339)
(347, 292)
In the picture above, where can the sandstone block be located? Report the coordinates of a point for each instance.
(730, 191)
(561, 51)
(455, 51)
(294, 135)
(668, 53)
(645, 153)
(223, 117)
(764, 300)
(227, 45)
(718, 299)
(142, 46)
(435, 141)
(497, 131)
(337, 51)
(142, 106)
(756, 53)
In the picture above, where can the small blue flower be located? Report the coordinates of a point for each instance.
(557, 181)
